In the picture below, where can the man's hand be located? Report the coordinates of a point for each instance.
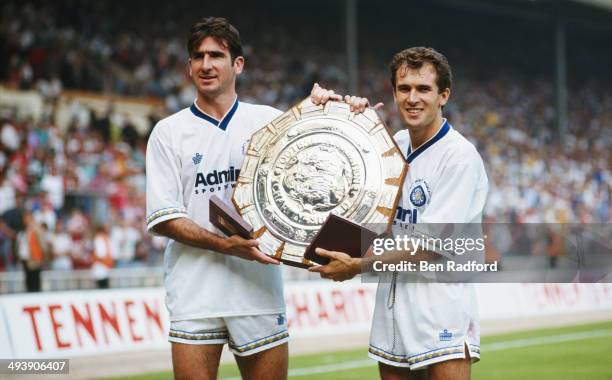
(358, 105)
(341, 266)
(320, 95)
(246, 249)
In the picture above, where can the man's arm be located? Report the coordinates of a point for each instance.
(167, 213)
(184, 230)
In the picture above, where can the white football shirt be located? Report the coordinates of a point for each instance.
(190, 157)
(446, 181)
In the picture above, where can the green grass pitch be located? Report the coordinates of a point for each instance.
(576, 353)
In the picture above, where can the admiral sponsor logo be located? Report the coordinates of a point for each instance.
(197, 158)
(216, 180)
(445, 336)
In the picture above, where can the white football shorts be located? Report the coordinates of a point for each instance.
(419, 324)
(245, 335)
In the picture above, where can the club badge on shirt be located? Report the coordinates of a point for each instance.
(420, 193)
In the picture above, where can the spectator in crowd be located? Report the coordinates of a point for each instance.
(53, 183)
(44, 212)
(33, 251)
(125, 238)
(11, 225)
(102, 257)
(7, 238)
(60, 249)
(7, 193)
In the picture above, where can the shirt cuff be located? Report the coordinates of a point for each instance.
(164, 214)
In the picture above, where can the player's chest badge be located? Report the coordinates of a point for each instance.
(420, 194)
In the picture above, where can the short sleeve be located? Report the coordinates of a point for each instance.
(457, 203)
(164, 187)
(459, 194)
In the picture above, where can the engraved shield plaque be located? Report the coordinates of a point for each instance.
(312, 161)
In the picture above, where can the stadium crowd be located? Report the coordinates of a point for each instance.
(75, 188)
(81, 190)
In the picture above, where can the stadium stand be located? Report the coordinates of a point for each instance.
(76, 165)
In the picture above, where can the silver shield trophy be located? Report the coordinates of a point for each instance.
(312, 161)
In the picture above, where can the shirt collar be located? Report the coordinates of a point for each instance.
(222, 124)
(444, 129)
